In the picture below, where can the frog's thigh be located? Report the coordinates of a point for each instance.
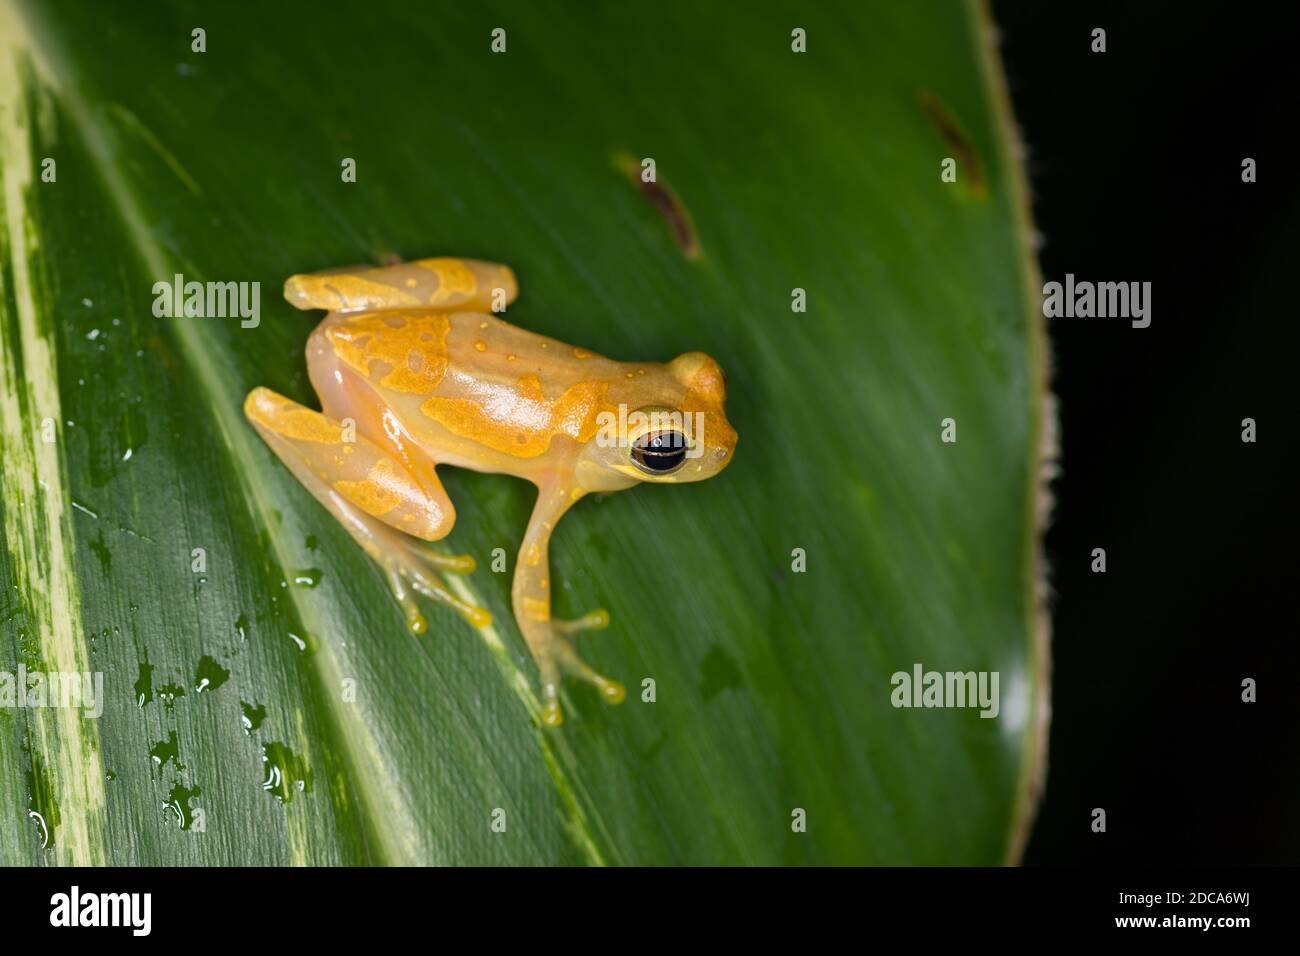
(345, 396)
(313, 447)
(440, 283)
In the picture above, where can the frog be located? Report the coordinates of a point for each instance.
(415, 367)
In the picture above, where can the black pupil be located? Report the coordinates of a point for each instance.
(659, 452)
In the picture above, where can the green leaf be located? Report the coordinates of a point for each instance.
(262, 700)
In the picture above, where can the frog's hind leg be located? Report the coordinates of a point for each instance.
(379, 502)
(444, 283)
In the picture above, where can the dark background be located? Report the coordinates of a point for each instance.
(1135, 167)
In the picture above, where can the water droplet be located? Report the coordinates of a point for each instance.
(42, 809)
(164, 751)
(168, 694)
(99, 547)
(210, 675)
(144, 683)
(284, 772)
(304, 643)
(178, 803)
(254, 714)
(307, 577)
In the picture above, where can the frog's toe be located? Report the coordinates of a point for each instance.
(611, 691)
(552, 714)
(435, 590)
(456, 563)
(402, 595)
(596, 620)
(416, 573)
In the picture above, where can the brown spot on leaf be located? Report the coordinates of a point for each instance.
(667, 203)
(969, 169)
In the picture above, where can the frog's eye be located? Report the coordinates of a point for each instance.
(659, 452)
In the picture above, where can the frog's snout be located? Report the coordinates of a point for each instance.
(725, 450)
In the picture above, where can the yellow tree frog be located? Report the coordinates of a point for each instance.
(415, 368)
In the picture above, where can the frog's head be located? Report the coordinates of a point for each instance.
(671, 429)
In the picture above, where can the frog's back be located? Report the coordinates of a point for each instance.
(473, 388)
(512, 393)
(486, 347)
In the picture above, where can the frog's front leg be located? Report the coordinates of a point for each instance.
(372, 494)
(547, 638)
